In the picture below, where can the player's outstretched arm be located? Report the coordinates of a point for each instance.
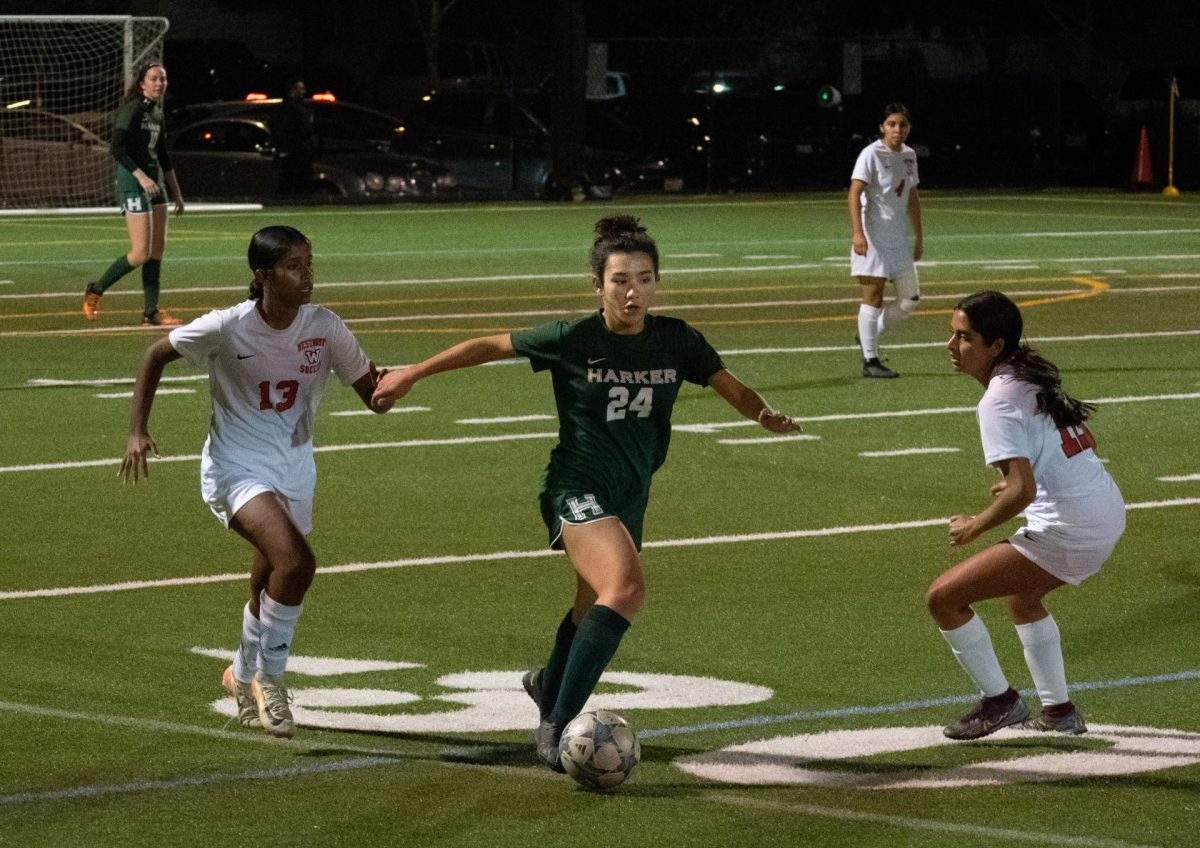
(140, 444)
(365, 385)
(397, 384)
(750, 403)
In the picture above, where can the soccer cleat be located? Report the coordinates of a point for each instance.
(1070, 724)
(160, 318)
(532, 681)
(272, 699)
(875, 368)
(247, 709)
(91, 303)
(546, 738)
(989, 715)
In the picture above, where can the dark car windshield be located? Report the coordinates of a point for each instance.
(340, 128)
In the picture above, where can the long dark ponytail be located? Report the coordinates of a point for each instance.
(267, 247)
(994, 316)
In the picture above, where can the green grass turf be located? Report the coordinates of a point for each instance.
(107, 735)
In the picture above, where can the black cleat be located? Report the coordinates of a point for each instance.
(875, 368)
(546, 738)
(532, 681)
(1070, 724)
(989, 715)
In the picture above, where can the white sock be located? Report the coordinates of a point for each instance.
(278, 627)
(1043, 655)
(868, 330)
(972, 647)
(245, 659)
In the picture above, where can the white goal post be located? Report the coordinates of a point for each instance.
(61, 80)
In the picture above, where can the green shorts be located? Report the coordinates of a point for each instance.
(138, 202)
(574, 506)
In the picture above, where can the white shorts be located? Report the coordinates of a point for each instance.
(1067, 553)
(226, 494)
(890, 263)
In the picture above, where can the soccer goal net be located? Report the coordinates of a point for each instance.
(61, 80)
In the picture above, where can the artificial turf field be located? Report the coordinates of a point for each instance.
(785, 576)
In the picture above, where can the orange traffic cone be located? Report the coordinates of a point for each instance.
(1142, 176)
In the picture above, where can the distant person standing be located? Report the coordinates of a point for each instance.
(291, 126)
(883, 190)
(143, 174)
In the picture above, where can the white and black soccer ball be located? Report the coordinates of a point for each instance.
(599, 749)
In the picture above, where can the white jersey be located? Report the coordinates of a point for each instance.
(265, 386)
(1074, 490)
(890, 176)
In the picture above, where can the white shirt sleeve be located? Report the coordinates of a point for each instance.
(349, 361)
(197, 341)
(1002, 431)
(864, 168)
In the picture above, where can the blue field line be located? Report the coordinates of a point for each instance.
(900, 706)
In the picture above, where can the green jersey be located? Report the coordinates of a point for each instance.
(614, 396)
(142, 121)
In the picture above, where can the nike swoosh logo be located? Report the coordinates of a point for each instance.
(594, 361)
(246, 355)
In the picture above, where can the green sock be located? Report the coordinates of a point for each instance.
(595, 642)
(115, 271)
(150, 274)
(552, 674)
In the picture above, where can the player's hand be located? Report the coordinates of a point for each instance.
(148, 185)
(962, 530)
(392, 386)
(179, 204)
(376, 374)
(859, 243)
(776, 421)
(137, 451)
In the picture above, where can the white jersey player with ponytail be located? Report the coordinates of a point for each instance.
(883, 194)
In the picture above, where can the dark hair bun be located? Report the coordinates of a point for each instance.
(618, 226)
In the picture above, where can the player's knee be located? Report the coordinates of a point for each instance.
(939, 599)
(908, 305)
(631, 594)
(296, 565)
(138, 256)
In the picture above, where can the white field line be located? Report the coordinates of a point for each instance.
(763, 440)
(383, 565)
(908, 452)
(833, 261)
(1181, 478)
(985, 264)
(1092, 337)
(42, 382)
(506, 419)
(394, 409)
(156, 394)
(998, 834)
(709, 427)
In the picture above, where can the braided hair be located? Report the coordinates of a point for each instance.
(994, 316)
(268, 246)
(620, 234)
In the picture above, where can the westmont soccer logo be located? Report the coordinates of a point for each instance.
(494, 701)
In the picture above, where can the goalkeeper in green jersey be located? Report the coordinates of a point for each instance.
(144, 174)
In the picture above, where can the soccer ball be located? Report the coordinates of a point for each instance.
(599, 749)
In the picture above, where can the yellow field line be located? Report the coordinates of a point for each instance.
(580, 295)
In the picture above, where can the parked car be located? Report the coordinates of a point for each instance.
(225, 150)
(498, 141)
(52, 160)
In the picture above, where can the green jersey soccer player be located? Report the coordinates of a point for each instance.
(616, 375)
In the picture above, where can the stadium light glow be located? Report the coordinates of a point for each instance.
(325, 97)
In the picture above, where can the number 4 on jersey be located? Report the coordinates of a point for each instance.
(1076, 439)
